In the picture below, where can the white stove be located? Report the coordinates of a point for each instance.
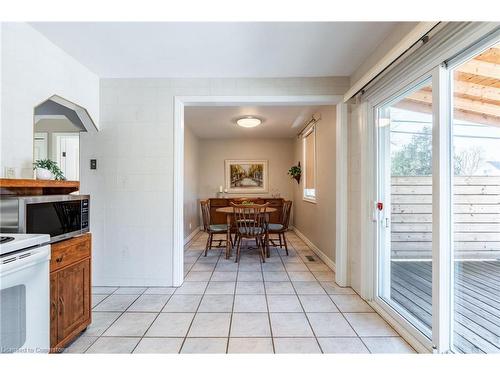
(10, 242)
(24, 293)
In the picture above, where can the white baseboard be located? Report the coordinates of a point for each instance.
(191, 236)
(316, 250)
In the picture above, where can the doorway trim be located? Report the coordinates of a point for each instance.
(180, 102)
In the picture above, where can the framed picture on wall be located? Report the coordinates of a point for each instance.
(247, 176)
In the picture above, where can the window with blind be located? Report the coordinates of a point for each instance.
(310, 164)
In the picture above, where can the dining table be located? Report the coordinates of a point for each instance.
(229, 212)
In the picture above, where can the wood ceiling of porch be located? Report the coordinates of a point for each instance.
(476, 90)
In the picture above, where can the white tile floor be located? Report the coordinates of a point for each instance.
(287, 305)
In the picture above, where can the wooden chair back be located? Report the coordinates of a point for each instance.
(250, 219)
(205, 214)
(285, 214)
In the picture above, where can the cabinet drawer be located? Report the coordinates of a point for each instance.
(67, 252)
(275, 202)
(218, 202)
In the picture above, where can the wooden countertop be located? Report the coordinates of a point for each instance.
(25, 186)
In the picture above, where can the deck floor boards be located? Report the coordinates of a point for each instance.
(477, 300)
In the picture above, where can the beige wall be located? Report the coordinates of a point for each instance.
(316, 221)
(191, 174)
(213, 153)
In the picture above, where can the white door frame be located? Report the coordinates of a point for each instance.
(372, 239)
(184, 101)
(54, 141)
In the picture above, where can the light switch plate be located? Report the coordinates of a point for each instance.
(10, 172)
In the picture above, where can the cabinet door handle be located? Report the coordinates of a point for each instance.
(61, 305)
(59, 260)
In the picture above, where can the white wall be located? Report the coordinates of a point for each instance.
(213, 153)
(397, 33)
(33, 69)
(316, 221)
(191, 182)
(354, 199)
(132, 189)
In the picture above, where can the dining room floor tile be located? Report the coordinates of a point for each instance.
(250, 303)
(116, 302)
(250, 325)
(210, 325)
(284, 303)
(80, 345)
(159, 345)
(254, 345)
(183, 303)
(149, 303)
(317, 303)
(296, 345)
(221, 287)
(196, 345)
(250, 276)
(330, 324)
(105, 345)
(170, 325)
(395, 345)
(216, 303)
(131, 325)
(246, 307)
(279, 287)
(342, 345)
(250, 287)
(275, 276)
(100, 323)
(369, 324)
(290, 325)
(350, 303)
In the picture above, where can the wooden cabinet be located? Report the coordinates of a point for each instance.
(70, 290)
(220, 218)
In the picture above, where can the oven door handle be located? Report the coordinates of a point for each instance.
(22, 263)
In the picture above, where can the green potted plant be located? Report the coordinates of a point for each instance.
(47, 169)
(295, 172)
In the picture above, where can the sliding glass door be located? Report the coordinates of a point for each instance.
(438, 203)
(476, 210)
(405, 205)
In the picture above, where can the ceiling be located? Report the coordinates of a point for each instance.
(217, 49)
(220, 122)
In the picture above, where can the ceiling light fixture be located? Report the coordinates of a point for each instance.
(249, 122)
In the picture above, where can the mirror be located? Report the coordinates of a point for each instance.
(56, 137)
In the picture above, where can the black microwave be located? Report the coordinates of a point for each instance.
(60, 216)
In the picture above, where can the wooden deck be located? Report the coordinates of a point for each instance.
(477, 300)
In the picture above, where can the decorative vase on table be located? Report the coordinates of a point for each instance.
(43, 174)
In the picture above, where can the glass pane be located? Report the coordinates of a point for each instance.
(310, 161)
(405, 175)
(476, 213)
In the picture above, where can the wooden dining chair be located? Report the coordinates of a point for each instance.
(251, 223)
(211, 229)
(281, 228)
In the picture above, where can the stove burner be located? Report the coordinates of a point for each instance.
(5, 239)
